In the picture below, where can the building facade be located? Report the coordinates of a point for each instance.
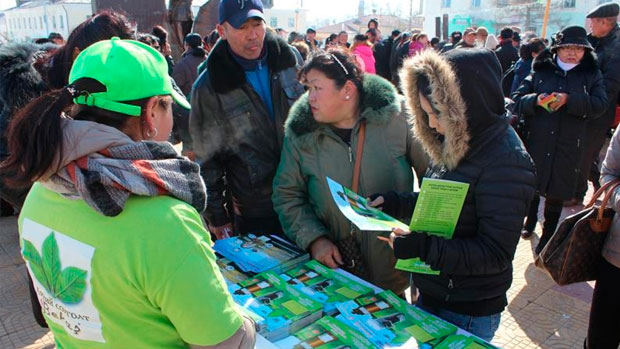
(37, 19)
(441, 17)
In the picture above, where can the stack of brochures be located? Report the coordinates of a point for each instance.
(326, 333)
(277, 307)
(324, 285)
(257, 254)
(390, 322)
(230, 271)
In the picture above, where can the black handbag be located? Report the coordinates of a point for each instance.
(349, 248)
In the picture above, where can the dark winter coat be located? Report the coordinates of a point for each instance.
(507, 55)
(312, 152)
(382, 51)
(232, 133)
(555, 140)
(186, 70)
(478, 148)
(21, 66)
(522, 70)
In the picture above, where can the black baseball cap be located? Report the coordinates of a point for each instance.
(237, 12)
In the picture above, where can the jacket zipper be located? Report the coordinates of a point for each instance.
(450, 287)
(350, 155)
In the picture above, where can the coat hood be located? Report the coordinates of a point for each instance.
(225, 72)
(467, 93)
(546, 61)
(379, 103)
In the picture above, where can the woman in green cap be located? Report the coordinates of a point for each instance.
(111, 231)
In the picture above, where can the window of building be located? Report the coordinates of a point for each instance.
(62, 22)
(40, 22)
(54, 22)
(475, 3)
(291, 22)
(273, 22)
(446, 3)
(502, 3)
(569, 3)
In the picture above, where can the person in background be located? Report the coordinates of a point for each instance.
(605, 38)
(343, 39)
(481, 36)
(434, 43)
(463, 126)
(164, 46)
(362, 50)
(400, 51)
(303, 50)
(516, 40)
(311, 41)
(374, 36)
(506, 52)
(382, 51)
(492, 43)
(420, 44)
(603, 329)
(554, 136)
(186, 70)
(239, 105)
(210, 40)
(455, 38)
(148, 39)
(469, 39)
(373, 23)
(322, 129)
(56, 38)
(110, 195)
(523, 67)
(282, 32)
(292, 37)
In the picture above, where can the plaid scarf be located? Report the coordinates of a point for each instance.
(107, 178)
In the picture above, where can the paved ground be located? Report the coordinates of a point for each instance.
(540, 314)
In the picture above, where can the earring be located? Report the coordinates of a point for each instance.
(148, 133)
(347, 98)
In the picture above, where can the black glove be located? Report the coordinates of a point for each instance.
(390, 204)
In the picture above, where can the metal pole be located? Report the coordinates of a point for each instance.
(410, 13)
(545, 20)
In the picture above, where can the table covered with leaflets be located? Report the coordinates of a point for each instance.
(299, 303)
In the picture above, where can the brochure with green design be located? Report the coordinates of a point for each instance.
(230, 271)
(356, 209)
(436, 212)
(324, 285)
(276, 306)
(390, 322)
(326, 333)
(463, 342)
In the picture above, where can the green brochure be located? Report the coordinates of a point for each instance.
(436, 212)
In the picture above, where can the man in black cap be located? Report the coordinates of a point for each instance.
(506, 52)
(239, 105)
(311, 40)
(605, 38)
(455, 38)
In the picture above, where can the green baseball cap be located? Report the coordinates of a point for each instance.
(129, 70)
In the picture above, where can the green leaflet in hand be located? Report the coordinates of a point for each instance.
(67, 285)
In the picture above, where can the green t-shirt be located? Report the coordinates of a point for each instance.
(146, 278)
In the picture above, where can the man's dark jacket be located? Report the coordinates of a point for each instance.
(481, 149)
(507, 55)
(556, 140)
(233, 135)
(382, 52)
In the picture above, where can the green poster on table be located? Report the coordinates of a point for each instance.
(436, 212)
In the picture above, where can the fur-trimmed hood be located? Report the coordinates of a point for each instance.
(227, 75)
(546, 61)
(21, 66)
(380, 102)
(466, 92)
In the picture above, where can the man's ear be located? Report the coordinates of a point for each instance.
(221, 31)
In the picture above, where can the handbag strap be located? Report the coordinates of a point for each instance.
(600, 191)
(358, 156)
(608, 195)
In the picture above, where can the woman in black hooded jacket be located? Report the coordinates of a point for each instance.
(555, 138)
(459, 118)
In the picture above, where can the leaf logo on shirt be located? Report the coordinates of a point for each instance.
(68, 284)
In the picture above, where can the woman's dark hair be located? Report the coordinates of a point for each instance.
(360, 38)
(533, 46)
(149, 39)
(337, 65)
(424, 87)
(375, 21)
(161, 34)
(35, 136)
(212, 38)
(102, 26)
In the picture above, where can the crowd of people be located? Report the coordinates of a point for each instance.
(264, 116)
